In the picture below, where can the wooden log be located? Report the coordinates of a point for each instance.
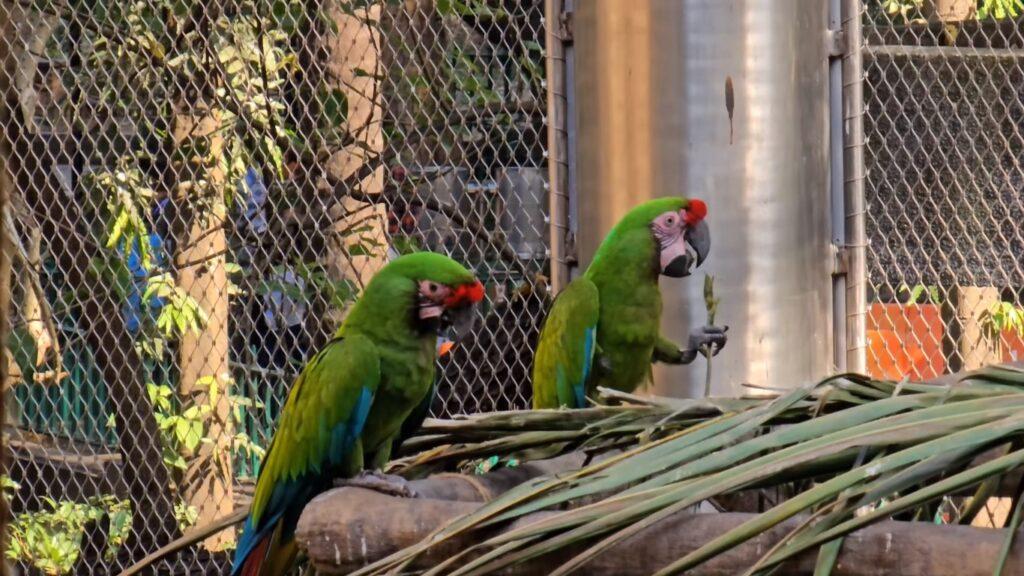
(465, 488)
(347, 528)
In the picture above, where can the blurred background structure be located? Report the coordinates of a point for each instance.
(944, 103)
(200, 189)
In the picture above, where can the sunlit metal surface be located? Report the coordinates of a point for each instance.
(652, 121)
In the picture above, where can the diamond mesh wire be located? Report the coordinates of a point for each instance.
(944, 99)
(202, 188)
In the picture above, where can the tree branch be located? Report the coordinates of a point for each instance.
(18, 251)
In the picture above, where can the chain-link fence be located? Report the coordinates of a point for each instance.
(201, 190)
(944, 99)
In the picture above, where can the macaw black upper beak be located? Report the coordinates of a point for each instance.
(699, 237)
(679, 260)
(460, 321)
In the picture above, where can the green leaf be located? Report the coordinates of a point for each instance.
(181, 322)
(188, 432)
(362, 73)
(335, 107)
(331, 24)
(177, 461)
(214, 393)
(191, 413)
(827, 557)
(117, 229)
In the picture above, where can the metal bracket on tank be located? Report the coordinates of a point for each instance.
(572, 257)
(836, 41)
(565, 22)
(840, 259)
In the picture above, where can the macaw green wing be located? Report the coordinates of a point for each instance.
(412, 423)
(565, 351)
(316, 436)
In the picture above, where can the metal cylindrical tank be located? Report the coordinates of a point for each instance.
(651, 117)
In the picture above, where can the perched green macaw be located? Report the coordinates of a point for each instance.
(603, 328)
(347, 407)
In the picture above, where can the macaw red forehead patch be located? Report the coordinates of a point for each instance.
(696, 211)
(465, 294)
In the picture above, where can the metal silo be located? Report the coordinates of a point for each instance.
(651, 120)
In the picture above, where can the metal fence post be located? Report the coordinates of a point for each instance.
(853, 189)
(558, 199)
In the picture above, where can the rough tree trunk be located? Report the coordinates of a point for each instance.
(5, 314)
(358, 248)
(201, 274)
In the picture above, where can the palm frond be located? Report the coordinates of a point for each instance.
(852, 450)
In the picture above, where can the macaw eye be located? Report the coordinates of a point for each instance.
(670, 221)
(431, 288)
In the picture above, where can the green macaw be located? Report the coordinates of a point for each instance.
(603, 328)
(347, 407)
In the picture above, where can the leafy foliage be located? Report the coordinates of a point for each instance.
(914, 10)
(50, 539)
(1000, 9)
(921, 294)
(184, 427)
(180, 314)
(1002, 318)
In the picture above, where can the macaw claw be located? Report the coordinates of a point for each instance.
(389, 484)
(708, 337)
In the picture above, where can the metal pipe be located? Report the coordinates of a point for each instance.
(573, 218)
(853, 188)
(557, 143)
(837, 208)
(945, 52)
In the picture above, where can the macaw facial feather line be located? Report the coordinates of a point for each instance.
(674, 257)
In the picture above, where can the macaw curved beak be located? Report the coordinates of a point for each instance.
(460, 321)
(460, 309)
(699, 238)
(688, 252)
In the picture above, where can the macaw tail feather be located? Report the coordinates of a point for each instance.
(268, 556)
(253, 563)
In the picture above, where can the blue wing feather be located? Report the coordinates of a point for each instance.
(292, 491)
(566, 349)
(290, 497)
(580, 388)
